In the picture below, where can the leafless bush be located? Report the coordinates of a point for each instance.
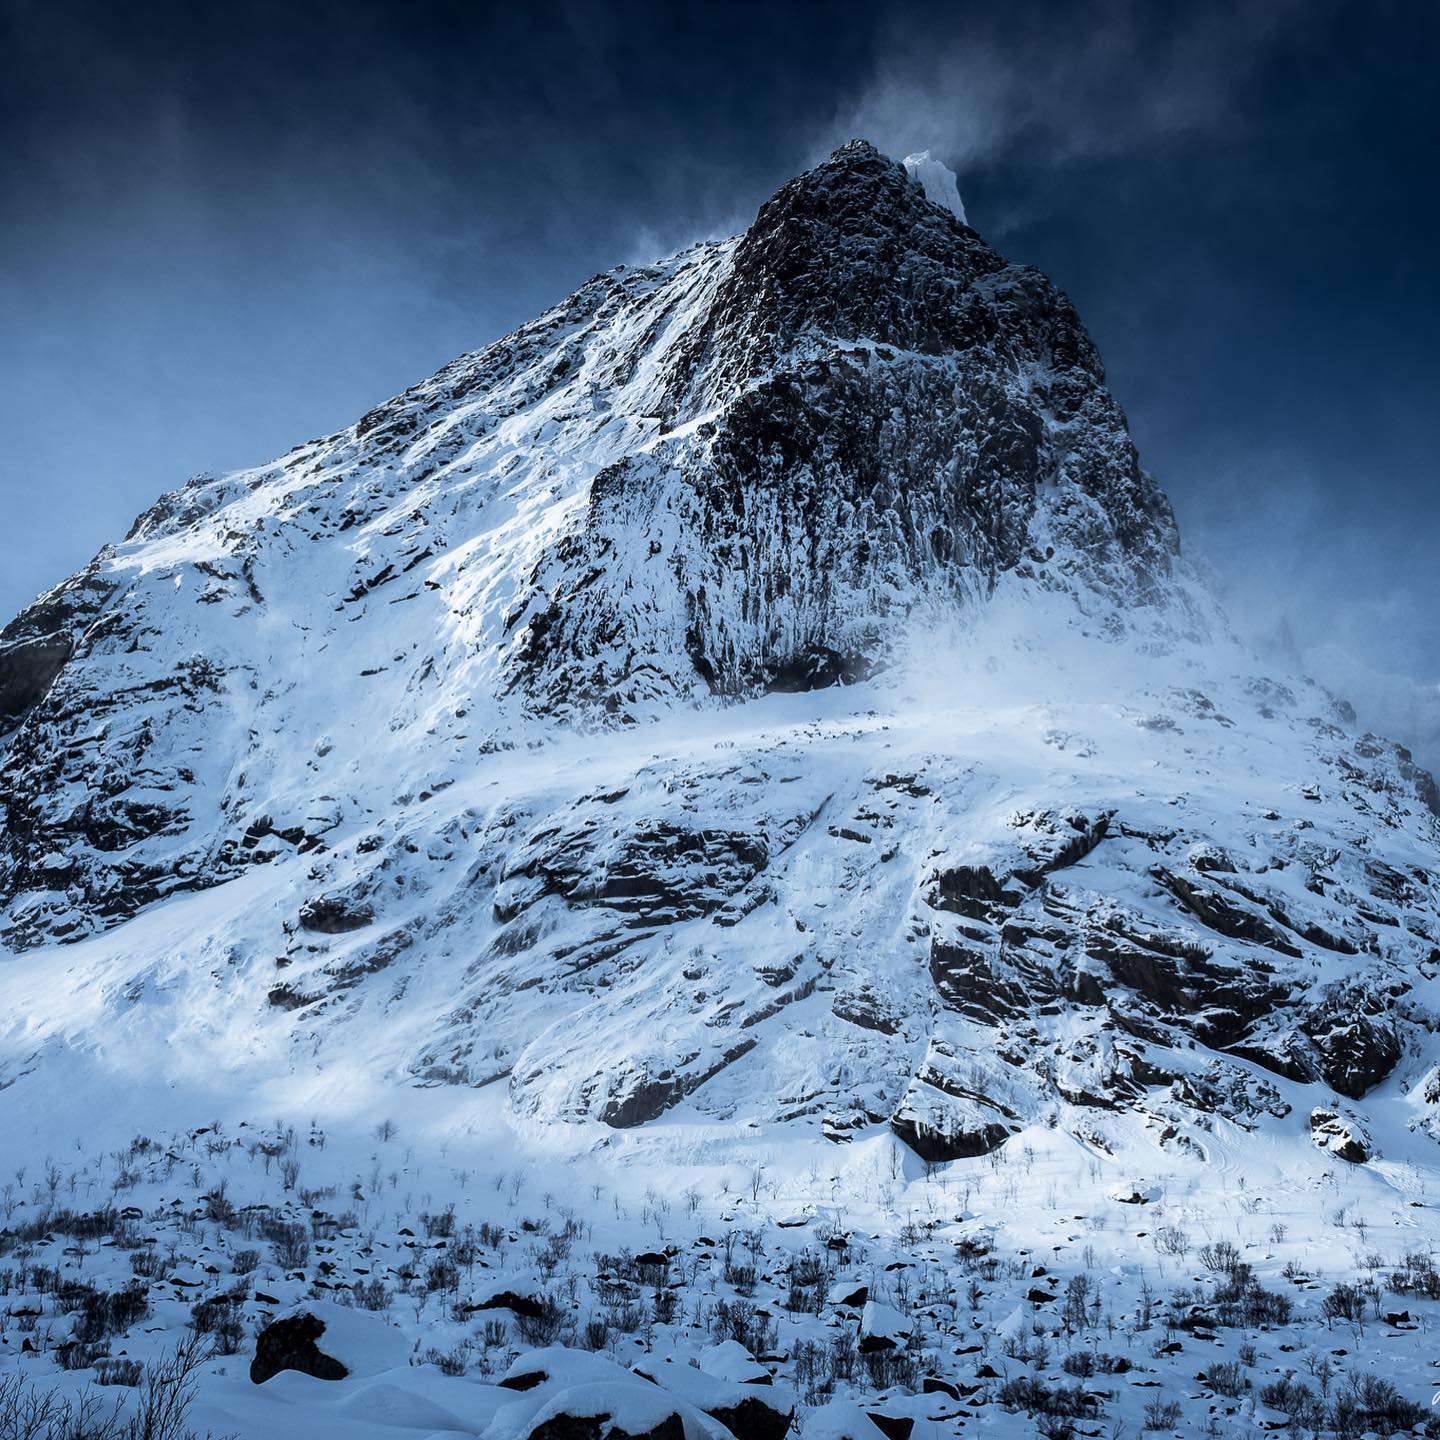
(291, 1241)
(1416, 1275)
(544, 1328)
(742, 1321)
(1371, 1403)
(1035, 1398)
(219, 1316)
(1162, 1414)
(372, 1294)
(1220, 1256)
(1227, 1377)
(244, 1261)
(119, 1372)
(1172, 1240)
(449, 1362)
(893, 1367)
(165, 1393)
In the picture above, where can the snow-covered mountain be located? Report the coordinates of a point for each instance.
(764, 696)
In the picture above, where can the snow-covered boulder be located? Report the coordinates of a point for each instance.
(848, 1292)
(399, 1406)
(1342, 1135)
(1137, 1194)
(568, 1394)
(608, 1410)
(883, 1328)
(746, 1409)
(730, 1360)
(328, 1341)
(839, 1420)
(558, 1365)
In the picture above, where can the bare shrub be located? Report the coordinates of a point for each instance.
(545, 1328)
(1162, 1414)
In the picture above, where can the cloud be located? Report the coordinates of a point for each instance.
(1076, 82)
(1316, 593)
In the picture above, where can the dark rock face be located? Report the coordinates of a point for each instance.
(1356, 1048)
(525, 1380)
(27, 668)
(1225, 914)
(641, 1098)
(874, 450)
(1202, 960)
(946, 1113)
(963, 1140)
(335, 914)
(651, 877)
(37, 644)
(293, 1344)
(74, 822)
(1343, 1137)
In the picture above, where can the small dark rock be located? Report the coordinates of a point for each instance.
(523, 1305)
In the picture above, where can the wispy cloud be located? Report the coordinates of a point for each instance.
(1072, 82)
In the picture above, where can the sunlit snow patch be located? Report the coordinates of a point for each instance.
(937, 181)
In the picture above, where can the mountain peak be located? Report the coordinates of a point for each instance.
(860, 183)
(761, 465)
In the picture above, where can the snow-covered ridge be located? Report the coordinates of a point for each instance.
(747, 468)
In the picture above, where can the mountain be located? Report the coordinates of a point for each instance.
(766, 465)
(763, 701)
(734, 473)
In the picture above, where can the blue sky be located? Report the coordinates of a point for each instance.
(224, 229)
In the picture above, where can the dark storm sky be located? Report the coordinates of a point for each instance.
(226, 228)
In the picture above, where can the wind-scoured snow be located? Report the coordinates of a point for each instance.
(938, 182)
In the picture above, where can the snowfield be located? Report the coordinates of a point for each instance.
(710, 870)
(455, 1249)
